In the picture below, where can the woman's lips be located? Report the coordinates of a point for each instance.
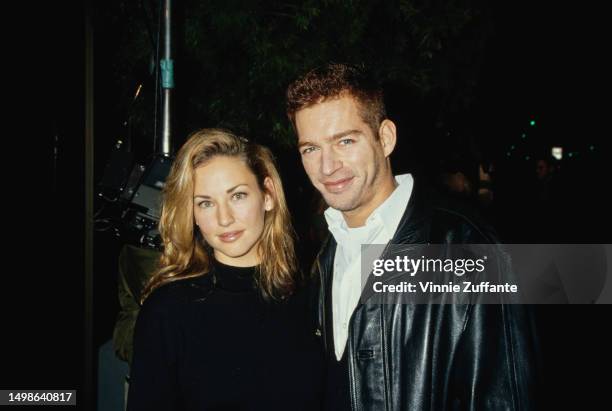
(230, 236)
(338, 186)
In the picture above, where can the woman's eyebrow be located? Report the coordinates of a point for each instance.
(229, 190)
(235, 187)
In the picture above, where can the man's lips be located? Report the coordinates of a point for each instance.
(230, 236)
(338, 186)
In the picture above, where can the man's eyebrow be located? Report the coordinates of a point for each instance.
(335, 137)
(229, 190)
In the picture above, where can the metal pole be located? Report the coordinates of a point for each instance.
(167, 72)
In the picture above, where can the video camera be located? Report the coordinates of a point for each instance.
(134, 192)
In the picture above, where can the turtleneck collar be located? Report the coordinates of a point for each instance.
(235, 279)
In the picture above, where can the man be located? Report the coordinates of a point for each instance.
(402, 356)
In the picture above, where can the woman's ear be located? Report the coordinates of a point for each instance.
(269, 194)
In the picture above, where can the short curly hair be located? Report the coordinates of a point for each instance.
(335, 80)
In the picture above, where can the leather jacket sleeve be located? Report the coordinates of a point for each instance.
(493, 369)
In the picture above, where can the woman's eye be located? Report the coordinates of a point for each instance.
(206, 204)
(239, 196)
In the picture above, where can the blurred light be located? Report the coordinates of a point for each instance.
(532, 123)
(524, 136)
(512, 147)
(508, 154)
(570, 155)
(557, 152)
(592, 148)
(527, 158)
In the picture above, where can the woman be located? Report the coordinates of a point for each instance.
(223, 325)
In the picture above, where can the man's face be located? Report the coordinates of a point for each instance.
(339, 152)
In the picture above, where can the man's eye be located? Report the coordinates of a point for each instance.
(308, 150)
(346, 141)
(239, 196)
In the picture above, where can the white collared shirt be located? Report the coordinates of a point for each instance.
(378, 229)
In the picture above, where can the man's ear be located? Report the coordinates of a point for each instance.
(269, 194)
(388, 137)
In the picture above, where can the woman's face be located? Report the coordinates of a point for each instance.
(229, 209)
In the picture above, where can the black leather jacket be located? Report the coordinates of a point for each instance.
(432, 356)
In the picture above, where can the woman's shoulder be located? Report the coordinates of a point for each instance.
(301, 298)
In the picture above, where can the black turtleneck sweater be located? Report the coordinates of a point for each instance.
(213, 343)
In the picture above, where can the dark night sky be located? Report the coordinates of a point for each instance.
(546, 62)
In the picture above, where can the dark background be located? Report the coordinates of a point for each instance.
(533, 61)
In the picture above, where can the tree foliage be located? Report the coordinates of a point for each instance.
(235, 58)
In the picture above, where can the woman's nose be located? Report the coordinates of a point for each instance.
(225, 216)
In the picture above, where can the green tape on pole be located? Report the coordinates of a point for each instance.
(167, 73)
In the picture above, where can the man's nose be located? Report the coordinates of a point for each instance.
(329, 162)
(225, 217)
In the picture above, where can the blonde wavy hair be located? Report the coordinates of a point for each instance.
(185, 253)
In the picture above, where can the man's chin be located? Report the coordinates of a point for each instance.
(341, 205)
